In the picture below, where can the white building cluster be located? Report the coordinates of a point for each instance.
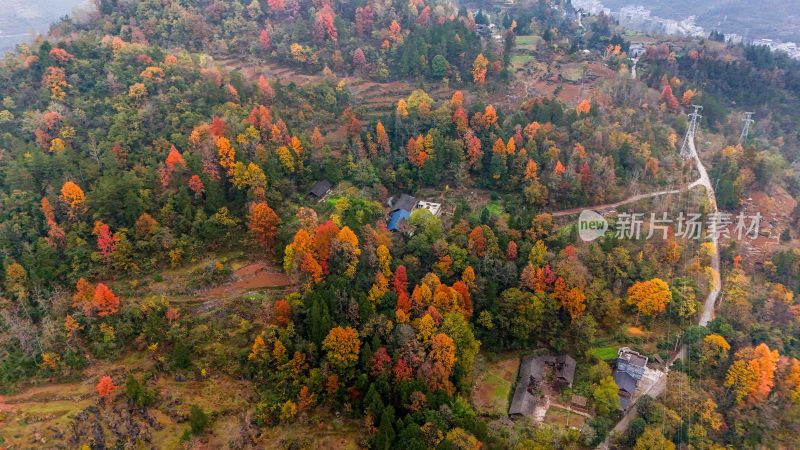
(593, 7)
(642, 19)
(790, 48)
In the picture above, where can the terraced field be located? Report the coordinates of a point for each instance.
(372, 99)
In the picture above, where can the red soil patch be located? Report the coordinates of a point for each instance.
(257, 275)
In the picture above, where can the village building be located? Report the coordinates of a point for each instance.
(434, 208)
(320, 190)
(535, 374)
(629, 370)
(636, 50)
(400, 211)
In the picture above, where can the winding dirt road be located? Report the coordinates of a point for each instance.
(708, 306)
(716, 284)
(609, 206)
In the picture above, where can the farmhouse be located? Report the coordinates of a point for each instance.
(320, 190)
(400, 211)
(536, 375)
(636, 50)
(402, 208)
(629, 370)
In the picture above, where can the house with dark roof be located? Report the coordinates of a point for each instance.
(400, 211)
(628, 371)
(320, 190)
(627, 387)
(526, 393)
(563, 369)
(534, 372)
(405, 201)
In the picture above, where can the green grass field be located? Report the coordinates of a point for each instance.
(528, 41)
(562, 418)
(521, 60)
(604, 353)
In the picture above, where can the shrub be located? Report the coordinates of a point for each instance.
(137, 393)
(198, 419)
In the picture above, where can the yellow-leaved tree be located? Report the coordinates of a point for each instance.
(342, 346)
(650, 297)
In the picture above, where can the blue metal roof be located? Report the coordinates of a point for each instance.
(396, 218)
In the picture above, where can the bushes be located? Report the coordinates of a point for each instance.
(181, 356)
(198, 420)
(137, 393)
(210, 274)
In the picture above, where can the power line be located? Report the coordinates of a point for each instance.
(747, 119)
(691, 131)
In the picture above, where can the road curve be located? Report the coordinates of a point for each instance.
(705, 181)
(716, 283)
(711, 300)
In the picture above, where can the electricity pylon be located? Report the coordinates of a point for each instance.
(690, 132)
(747, 119)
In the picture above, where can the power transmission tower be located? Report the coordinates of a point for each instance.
(690, 132)
(747, 119)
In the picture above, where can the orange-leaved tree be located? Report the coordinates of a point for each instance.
(72, 195)
(382, 137)
(83, 296)
(106, 386)
(104, 302)
(439, 367)
(263, 225)
(346, 243)
(583, 107)
(791, 380)
(226, 154)
(479, 67)
(55, 234)
(574, 302)
(752, 375)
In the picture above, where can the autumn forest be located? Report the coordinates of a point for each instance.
(358, 224)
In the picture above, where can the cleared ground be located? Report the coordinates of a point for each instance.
(494, 377)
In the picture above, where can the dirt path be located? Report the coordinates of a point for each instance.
(609, 206)
(708, 306)
(716, 283)
(704, 181)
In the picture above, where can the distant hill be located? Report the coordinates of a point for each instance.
(21, 20)
(775, 19)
